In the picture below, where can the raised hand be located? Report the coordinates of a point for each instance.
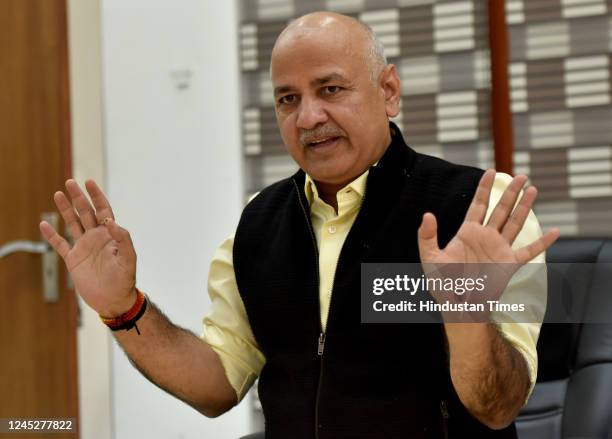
(490, 243)
(102, 261)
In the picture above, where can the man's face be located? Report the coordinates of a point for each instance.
(332, 116)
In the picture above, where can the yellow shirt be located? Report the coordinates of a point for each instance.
(226, 326)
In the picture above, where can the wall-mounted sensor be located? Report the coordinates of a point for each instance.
(181, 78)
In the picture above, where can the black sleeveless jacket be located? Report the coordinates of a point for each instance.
(370, 381)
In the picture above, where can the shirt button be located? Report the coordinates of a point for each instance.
(331, 229)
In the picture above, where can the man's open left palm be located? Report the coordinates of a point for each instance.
(490, 243)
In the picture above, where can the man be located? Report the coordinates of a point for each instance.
(285, 290)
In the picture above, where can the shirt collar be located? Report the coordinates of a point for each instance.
(358, 186)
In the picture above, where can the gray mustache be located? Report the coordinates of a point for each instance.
(308, 136)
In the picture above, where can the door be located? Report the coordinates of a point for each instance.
(38, 363)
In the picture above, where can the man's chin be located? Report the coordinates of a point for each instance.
(331, 177)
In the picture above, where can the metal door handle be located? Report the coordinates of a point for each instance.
(23, 246)
(49, 258)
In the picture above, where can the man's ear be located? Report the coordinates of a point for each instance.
(390, 84)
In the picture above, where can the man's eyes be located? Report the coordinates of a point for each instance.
(328, 90)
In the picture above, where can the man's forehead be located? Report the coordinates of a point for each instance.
(318, 48)
(312, 61)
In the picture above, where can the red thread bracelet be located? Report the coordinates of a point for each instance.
(128, 319)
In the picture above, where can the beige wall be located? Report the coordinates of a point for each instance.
(94, 341)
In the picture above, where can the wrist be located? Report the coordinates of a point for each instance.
(120, 307)
(128, 319)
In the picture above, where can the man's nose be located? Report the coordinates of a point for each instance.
(311, 113)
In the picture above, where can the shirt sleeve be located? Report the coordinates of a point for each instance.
(226, 326)
(529, 284)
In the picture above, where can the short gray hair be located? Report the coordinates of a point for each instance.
(376, 52)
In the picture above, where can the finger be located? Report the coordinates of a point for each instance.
(123, 239)
(60, 245)
(480, 202)
(428, 237)
(504, 207)
(99, 200)
(516, 221)
(80, 202)
(527, 253)
(70, 217)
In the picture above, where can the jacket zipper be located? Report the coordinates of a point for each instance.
(321, 341)
(445, 416)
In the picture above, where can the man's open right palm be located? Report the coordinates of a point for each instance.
(102, 261)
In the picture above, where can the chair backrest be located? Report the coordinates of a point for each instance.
(573, 394)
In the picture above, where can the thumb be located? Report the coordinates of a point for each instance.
(428, 237)
(122, 238)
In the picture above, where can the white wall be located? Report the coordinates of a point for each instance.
(174, 177)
